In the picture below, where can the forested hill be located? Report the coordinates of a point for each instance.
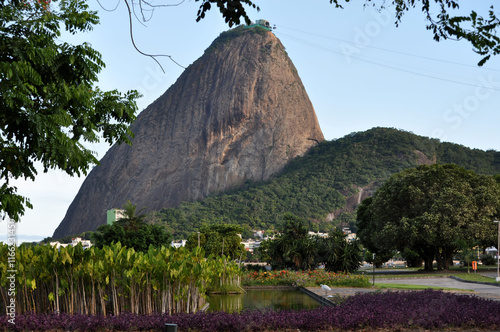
(327, 183)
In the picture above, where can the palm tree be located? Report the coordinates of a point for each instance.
(339, 254)
(130, 220)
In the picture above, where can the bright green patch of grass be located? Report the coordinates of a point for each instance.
(417, 287)
(459, 272)
(474, 277)
(408, 275)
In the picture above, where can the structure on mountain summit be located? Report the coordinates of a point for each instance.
(261, 23)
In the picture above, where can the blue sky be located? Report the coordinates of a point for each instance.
(359, 70)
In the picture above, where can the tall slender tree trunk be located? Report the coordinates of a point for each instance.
(84, 302)
(93, 305)
(57, 291)
(114, 295)
(101, 297)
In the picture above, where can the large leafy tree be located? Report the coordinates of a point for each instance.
(132, 231)
(430, 210)
(219, 240)
(339, 254)
(294, 248)
(49, 104)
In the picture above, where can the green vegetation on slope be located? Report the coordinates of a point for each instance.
(318, 183)
(226, 36)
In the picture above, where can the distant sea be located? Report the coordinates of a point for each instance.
(23, 238)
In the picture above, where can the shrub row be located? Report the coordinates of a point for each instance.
(394, 310)
(112, 280)
(304, 279)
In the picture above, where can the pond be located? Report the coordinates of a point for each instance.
(274, 299)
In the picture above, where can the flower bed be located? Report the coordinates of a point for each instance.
(433, 310)
(304, 279)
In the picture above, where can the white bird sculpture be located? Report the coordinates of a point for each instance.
(326, 288)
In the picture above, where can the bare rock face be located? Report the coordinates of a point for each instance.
(240, 112)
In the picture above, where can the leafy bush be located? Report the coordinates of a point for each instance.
(254, 268)
(488, 260)
(294, 248)
(304, 279)
(389, 311)
(114, 279)
(269, 278)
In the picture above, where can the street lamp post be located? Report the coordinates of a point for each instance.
(373, 274)
(198, 239)
(498, 252)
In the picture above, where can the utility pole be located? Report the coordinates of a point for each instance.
(373, 270)
(498, 251)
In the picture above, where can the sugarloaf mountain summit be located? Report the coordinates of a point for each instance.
(238, 113)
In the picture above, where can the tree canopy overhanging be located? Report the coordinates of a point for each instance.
(432, 210)
(49, 103)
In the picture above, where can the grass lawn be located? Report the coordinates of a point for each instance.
(418, 287)
(459, 272)
(474, 277)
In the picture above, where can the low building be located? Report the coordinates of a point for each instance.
(58, 244)
(318, 234)
(492, 251)
(85, 243)
(351, 237)
(346, 230)
(178, 243)
(258, 234)
(251, 244)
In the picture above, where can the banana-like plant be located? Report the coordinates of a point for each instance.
(113, 279)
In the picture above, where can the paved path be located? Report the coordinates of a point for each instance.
(490, 274)
(485, 291)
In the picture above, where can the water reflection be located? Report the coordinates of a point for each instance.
(262, 299)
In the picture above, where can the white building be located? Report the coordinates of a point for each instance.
(318, 234)
(259, 234)
(346, 230)
(351, 237)
(491, 251)
(251, 244)
(85, 243)
(178, 243)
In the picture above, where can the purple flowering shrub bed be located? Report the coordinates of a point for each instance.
(391, 310)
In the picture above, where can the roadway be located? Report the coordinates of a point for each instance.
(489, 291)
